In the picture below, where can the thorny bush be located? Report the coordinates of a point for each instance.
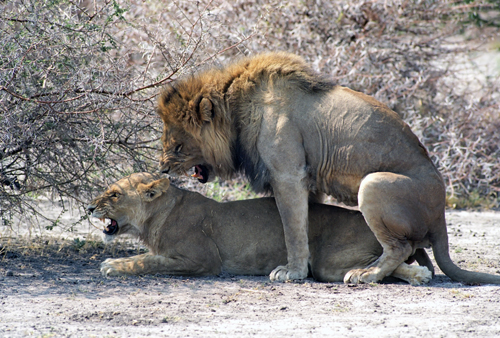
(79, 79)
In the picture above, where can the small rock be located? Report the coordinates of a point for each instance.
(9, 273)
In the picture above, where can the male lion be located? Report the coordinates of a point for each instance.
(299, 136)
(189, 234)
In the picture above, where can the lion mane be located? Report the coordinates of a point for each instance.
(219, 116)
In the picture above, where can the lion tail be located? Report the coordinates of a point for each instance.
(440, 248)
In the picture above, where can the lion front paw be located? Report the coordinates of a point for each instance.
(283, 273)
(109, 268)
(357, 276)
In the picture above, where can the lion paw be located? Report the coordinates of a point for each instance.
(283, 273)
(358, 276)
(421, 275)
(108, 269)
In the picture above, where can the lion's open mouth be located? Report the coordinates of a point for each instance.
(201, 173)
(111, 228)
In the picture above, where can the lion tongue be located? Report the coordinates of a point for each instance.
(197, 173)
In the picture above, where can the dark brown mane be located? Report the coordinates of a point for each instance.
(230, 89)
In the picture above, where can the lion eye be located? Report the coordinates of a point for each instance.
(114, 194)
(178, 148)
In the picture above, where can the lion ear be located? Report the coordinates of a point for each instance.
(202, 111)
(152, 190)
(206, 110)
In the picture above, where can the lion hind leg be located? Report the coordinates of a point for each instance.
(395, 252)
(386, 201)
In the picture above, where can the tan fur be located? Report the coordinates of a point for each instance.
(299, 136)
(188, 234)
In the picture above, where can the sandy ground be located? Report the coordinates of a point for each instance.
(50, 286)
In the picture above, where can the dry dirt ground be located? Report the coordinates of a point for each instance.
(50, 286)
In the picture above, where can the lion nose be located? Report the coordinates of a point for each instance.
(90, 208)
(163, 169)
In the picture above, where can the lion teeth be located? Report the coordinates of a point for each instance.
(197, 175)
